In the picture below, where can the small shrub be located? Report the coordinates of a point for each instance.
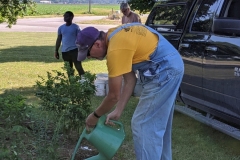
(13, 110)
(66, 96)
(14, 113)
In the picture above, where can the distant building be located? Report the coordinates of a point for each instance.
(49, 2)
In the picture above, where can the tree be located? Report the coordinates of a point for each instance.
(10, 10)
(142, 6)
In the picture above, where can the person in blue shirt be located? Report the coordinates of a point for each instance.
(67, 34)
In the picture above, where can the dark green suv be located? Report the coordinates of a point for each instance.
(207, 35)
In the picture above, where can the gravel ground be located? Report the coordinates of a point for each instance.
(49, 24)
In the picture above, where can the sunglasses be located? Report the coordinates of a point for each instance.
(89, 49)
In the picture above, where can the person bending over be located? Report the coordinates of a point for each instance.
(161, 69)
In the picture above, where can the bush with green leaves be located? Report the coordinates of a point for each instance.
(10, 11)
(67, 95)
(14, 115)
(13, 110)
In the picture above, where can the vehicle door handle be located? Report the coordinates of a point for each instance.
(184, 45)
(211, 48)
(236, 57)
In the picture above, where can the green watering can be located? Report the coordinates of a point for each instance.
(106, 139)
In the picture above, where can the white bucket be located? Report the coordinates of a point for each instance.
(100, 84)
(100, 87)
(102, 75)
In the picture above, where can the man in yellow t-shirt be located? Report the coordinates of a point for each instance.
(124, 52)
(128, 48)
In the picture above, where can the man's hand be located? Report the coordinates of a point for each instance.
(114, 115)
(56, 55)
(91, 122)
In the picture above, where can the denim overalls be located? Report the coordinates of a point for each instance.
(152, 120)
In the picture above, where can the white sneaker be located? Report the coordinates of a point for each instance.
(81, 80)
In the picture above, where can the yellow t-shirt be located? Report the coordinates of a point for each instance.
(129, 46)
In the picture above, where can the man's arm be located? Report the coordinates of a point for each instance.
(113, 96)
(123, 20)
(116, 95)
(58, 43)
(115, 85)
(127, 90)
(137, 18)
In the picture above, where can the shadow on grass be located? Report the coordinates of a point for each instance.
(27, 92)
(28, 53)
(31, 54)
(30, 93)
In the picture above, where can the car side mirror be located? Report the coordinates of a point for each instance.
(226, 26)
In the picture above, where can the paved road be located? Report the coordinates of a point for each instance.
(49, 24)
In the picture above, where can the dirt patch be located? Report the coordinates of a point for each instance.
(84, 151)
(67, 145)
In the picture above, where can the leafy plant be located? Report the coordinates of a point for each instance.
(10, 10)
(14, 113)
(13, 110)
(142, 6)
(68, 96)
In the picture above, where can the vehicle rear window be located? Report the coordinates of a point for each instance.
(233, 9)
(167, 17)
(202, 19)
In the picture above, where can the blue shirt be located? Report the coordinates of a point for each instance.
(69, 35)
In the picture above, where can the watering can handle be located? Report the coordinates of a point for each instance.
(102, 121)
(120, 124)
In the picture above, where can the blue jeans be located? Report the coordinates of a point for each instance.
(152, 120)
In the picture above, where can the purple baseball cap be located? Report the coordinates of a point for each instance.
(85, 40)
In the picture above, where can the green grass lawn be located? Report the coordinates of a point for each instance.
(77, 9)
(53, 10)
(24, 56)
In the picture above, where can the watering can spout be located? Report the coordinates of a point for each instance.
(106, 139)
